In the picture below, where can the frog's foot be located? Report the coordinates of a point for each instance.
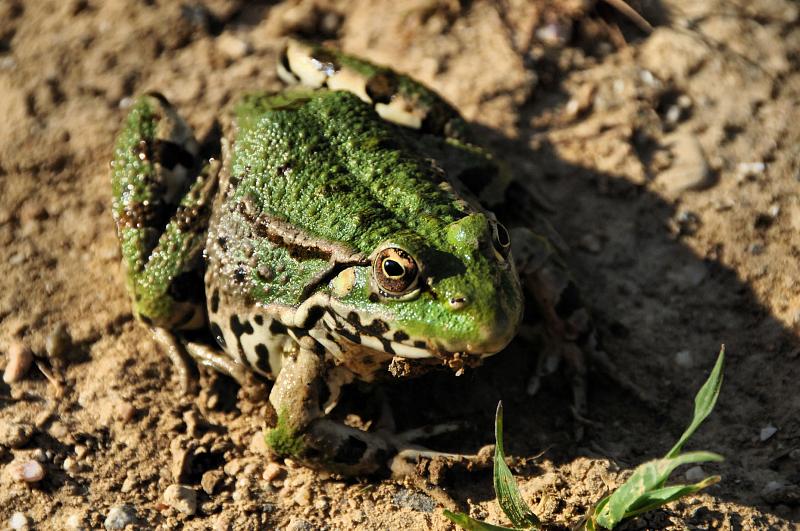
(209, 357)
(179, 358)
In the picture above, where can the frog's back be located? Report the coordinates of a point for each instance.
(323, 162)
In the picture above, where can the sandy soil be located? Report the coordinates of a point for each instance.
(672, 165)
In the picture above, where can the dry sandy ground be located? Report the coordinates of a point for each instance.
(672, 165)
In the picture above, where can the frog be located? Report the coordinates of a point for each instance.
(346, 233)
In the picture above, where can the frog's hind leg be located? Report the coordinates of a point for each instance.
(161, 206)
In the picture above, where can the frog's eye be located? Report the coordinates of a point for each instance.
(501, 240)
(395, 271)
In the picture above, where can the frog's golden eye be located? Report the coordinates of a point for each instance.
(501, 240)
(395, 271)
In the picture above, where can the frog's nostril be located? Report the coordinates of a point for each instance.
(458, 302)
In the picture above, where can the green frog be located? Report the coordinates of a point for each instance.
(345, 233)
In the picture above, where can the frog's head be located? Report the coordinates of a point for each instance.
(453, 291)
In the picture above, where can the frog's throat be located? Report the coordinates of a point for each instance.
(371, 333)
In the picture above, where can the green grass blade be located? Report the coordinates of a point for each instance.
(657, 498)
(505, 486)
(470, 524)
(646, 478)
(704, 402)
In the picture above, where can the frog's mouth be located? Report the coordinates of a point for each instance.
(377, 335)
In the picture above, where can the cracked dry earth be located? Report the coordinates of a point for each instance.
(671, 163)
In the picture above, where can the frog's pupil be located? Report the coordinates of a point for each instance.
(393, 269)
(502, 236)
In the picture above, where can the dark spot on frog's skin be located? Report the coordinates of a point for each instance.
(368, 360)
(214, 301)
(354, 318)
(350, 451)
(327, 62)
(223, 243)
(314, 315)
(284, 169)
(352, 337)
(569, 301)
(216, 331)
(376, 328)
(330, 337)
(146, 320)
(400, 336)
(238, 328)
(191, 218)
(169, 154)
(277, 328)
(420, 344)
(262, 358)
(240, 274)
(373, 297)
(381, 87)
(259, 319)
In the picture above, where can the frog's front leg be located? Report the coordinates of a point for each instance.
(303, 432)
(161, 206)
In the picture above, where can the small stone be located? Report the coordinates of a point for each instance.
(29, 471)
(756, 248)
(232, 46)
(695, 474)
(302, 496)
(767, 432)
(75, 522)
(15, 434)
(321, 504)
(748, 170)
(272, 471)
(18, 521)
(119, 516)
(590, 243)
(414, 500)
(684, 359)
(20, 358)
(71, 466)
(258, 444)
(124, 411)
(210, 480)
(182, 498)
(58, 341)
(689, 169)
(296, 524)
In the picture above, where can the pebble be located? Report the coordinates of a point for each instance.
(210, 480)
(746, 170)
(75, 521)
(181, 498)
(29, 471)
(689, 169)
(119, 516)
(58, 341)
(414, 500)
(71, 466)
(20, 358)
(15, 434)
(590, 243)
(18, 520)
(302, 496)
(695, 474)
(684, 359)
(233, 47)
(767, 432)
(272, 471)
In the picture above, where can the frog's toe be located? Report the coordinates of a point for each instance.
(414, 461)
(187, 376)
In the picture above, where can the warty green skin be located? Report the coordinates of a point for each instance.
(324, 163)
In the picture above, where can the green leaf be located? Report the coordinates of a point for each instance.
(505, 486)
(657, 498)
(703, 403)
(470, 524)
(646, 478)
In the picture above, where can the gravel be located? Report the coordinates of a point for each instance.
(20, 358)
(119, 516)
(182, 498)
